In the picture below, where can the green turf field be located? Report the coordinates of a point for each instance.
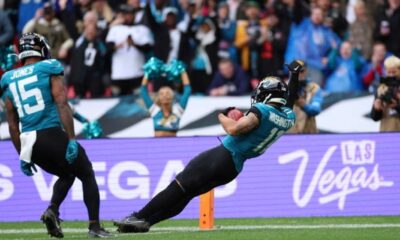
(338, 228)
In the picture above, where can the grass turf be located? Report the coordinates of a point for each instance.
(225, 229)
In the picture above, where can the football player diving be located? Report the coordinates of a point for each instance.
(35, 97)
(269, 117)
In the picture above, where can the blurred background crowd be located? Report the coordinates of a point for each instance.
(227, 46)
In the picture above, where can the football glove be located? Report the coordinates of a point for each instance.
(72, 151)
(296, 66)
(27, 168)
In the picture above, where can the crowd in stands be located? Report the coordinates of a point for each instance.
(227, 46)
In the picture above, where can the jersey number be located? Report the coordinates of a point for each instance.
(272, 137)
(22, 94)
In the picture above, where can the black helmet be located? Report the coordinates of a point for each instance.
(33, 45)
(270, 90)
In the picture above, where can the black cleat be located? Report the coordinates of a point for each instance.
(132, 224)
(52, 222)
(99, 233)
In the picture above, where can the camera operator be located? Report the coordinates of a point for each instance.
(307, 105)
(386, 107)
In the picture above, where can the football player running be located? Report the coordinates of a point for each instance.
(269, 117)
(35, 97)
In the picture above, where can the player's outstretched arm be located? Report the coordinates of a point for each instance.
(295, 67)
(64, 110)
(242, 126)
(13, 124)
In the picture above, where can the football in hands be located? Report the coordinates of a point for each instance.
(235, 114)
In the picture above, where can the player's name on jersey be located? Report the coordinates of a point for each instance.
(280, 121)
(22, 72)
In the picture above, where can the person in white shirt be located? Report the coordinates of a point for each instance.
(128, 42)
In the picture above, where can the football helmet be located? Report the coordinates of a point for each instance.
(33, 45)
(270, 90)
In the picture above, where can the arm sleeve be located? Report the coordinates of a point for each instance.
(293, 90)
(146, 98)
(376, 115)
(187, 90)
(256, 112)
(314, 107)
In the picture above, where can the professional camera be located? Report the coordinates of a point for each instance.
(390, 86)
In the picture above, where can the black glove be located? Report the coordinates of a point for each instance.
(296, 66)
(226, 110)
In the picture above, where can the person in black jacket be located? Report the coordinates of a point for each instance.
(387, 27)
(6, 29)
(169, 42)
(87, 64)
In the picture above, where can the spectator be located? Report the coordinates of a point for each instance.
(386, 107)
(128, 42)
(187, 9)
(10, 7)
(318, 40)
(204, 61)
(104, 13)
(334, 18)
(139, 16)
(250, 35)
(346, 69)
(230, 80)
(388, 25)
(227, 31)
(69, 18)
(233, 8)
(156, 8)
(27, 10)
(208, 8)
(51, 28)
(87, 64)
(169, 42)
(361, 30)
(6, 30)
(375, 69)
(307, 106)
(273, 48)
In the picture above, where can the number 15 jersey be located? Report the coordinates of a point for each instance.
(29, 89)
(272, 124)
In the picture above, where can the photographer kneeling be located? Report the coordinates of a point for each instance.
(386, 106)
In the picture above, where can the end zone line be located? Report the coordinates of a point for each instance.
(230, 227)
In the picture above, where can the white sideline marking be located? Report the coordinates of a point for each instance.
(231, 227)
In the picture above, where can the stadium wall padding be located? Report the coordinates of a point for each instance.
(299, 176)
(126, 117)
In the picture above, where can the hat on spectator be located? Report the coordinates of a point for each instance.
(169, 10)
(252, 4)
(223, 4)
(125, 8)
(47, 8)
(392, 62)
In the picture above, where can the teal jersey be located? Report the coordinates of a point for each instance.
(273, 123)
(29, 89)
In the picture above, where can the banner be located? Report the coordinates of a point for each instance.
(127, 117)
(299, 176)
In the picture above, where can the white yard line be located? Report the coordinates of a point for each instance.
(230, 227)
